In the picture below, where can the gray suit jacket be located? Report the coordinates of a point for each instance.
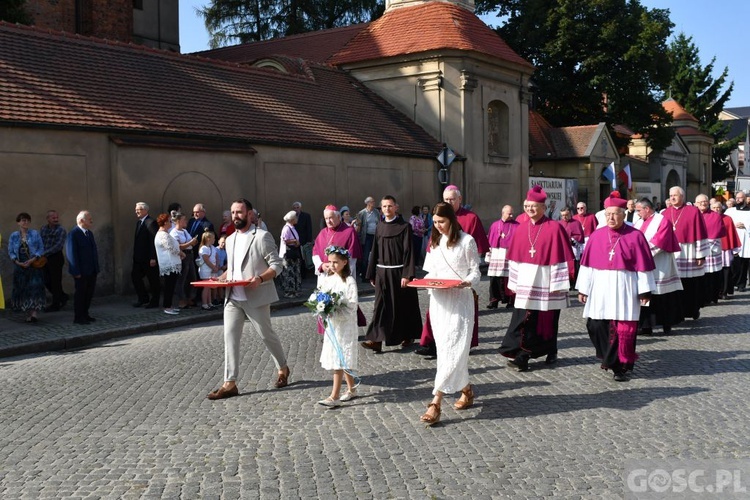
(259, 253)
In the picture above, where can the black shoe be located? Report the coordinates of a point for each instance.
(697, 315)
(509, 305)
(740, 288)
(89, 318)
(428, 350)
(620, 377)
(519, 363)
(139, 304)
(81, 322)
(646, 331)
(551, 359)
(492, 305)
(667, 330)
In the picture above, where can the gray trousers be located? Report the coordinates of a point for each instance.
(235, 313)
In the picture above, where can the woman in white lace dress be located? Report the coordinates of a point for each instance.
(453, 255)
(340, 339)
(169, 256)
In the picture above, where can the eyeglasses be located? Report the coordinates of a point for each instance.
(580, 208)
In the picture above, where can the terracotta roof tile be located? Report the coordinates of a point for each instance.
(677, 111)
(547, 142)
(540, 143)
(57, 79)
(318, 46)
(431, 26)
(572, 142)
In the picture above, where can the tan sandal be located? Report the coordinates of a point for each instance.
(431, 419)
(468, 402)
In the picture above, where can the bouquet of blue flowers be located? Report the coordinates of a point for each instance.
(323, 303)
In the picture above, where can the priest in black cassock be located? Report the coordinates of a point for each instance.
(396, 318)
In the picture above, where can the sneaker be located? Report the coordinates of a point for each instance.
(330, 403)
(206, 307)
(349, 395)
(171, 311)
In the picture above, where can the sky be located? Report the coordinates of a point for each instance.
(716, 28)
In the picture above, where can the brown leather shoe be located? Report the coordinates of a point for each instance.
(283, 379)
(372, 345)
(468, 400)
(222, 393)
(428, 419)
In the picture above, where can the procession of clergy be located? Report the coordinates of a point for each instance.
(633, 270)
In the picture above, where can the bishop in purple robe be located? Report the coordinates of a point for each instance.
(614, 280)
(541, 265)
(501, 234)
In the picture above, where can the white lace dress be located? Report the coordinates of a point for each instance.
(344, 325)
(452, 310)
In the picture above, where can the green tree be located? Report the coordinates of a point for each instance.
(693, 86)
(241, 21)
(14, 11)
(596, 60)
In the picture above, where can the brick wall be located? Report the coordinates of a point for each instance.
(111, 19)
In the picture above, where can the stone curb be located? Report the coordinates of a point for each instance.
(82, 339)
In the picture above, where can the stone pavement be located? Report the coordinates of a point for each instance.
(128, 417)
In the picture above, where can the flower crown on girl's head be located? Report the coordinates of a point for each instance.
(337, 250)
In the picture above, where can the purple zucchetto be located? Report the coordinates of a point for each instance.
(536, 194)
(614, 200)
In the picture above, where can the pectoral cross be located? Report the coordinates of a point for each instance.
(502, 235)
(533, 251)
(611, 254)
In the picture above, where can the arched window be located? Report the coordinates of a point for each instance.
(498, 129)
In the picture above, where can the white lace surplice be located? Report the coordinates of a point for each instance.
(452, 310)
(539, 288)
(613, 293)
(685, 260)
(344, 324)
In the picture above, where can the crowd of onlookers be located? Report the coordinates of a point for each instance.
(170, 251)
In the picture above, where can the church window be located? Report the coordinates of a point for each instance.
(498, 122)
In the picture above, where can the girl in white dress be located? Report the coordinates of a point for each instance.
(340, 341)
(209, 264)
(453, 255)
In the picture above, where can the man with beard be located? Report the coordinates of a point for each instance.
(541, 266)
(251, 256)
(615, 279)
(690, 229)
(396, 318)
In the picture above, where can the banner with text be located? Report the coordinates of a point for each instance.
(560, 193)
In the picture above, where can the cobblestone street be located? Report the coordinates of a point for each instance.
(129, 418)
